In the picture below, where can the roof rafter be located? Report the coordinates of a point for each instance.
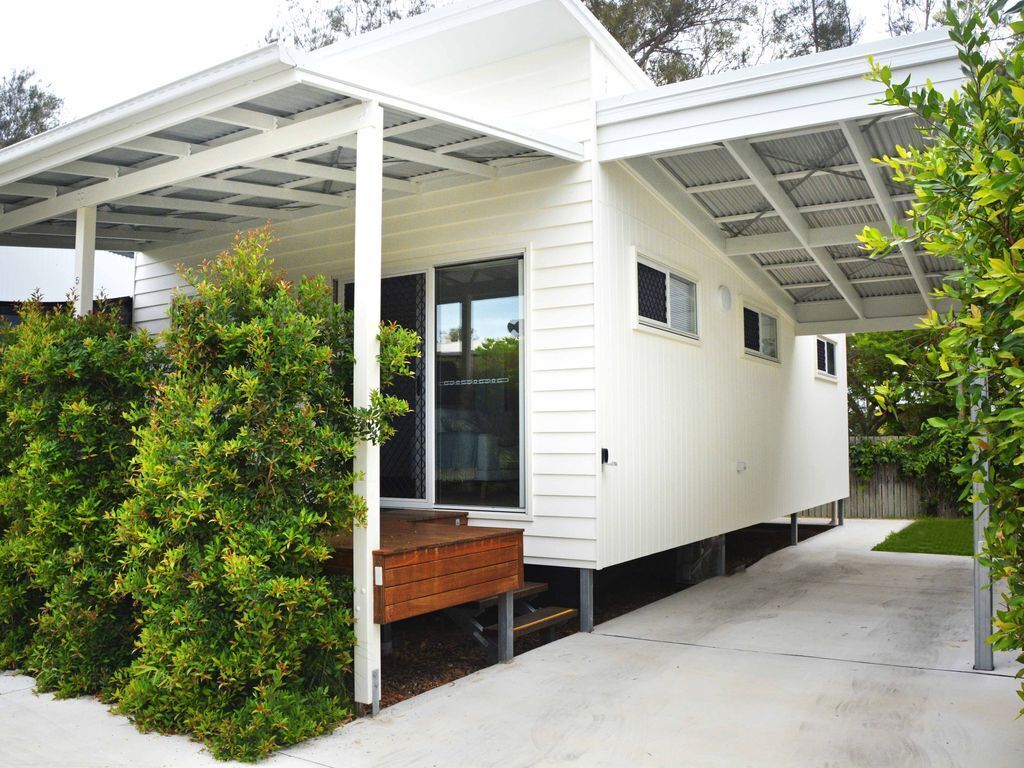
(845, 234)
(752, 164)
(872, 175)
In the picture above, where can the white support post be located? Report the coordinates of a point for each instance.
(85, 259)
(366, 378)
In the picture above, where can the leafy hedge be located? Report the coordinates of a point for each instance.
(65, 383)
(242, 475)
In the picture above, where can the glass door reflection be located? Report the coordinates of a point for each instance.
(478, 359)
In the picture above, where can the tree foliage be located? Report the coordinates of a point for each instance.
(675, 40)
(969, 206)
(894, 388)
(65, 385)
(243, 474)
(311, 26)
(903, 17)
(809, 26)
(26, 107)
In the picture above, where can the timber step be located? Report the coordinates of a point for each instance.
(529, 589)
(535, 621)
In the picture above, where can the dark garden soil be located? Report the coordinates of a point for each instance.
(430, 651)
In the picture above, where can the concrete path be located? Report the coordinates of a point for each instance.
(826, 654)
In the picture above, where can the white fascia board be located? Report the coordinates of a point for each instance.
(786, 95)
(540, 141)
(459, 14)
(880, 313)
(240, 79)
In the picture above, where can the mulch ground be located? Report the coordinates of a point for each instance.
(430, 651)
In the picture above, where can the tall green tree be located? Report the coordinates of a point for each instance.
(809, 26)
(675, 40)
(969, 185)
(26, 107)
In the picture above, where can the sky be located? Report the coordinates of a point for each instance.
(98, 53)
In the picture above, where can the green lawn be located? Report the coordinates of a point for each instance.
(932, 536)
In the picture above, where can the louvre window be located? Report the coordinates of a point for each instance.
(827, 357)
(760, 334)
(666, 300)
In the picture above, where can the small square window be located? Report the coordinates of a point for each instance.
(760, 334)
(666, 300)
(827, 357)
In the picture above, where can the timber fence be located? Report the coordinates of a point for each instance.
(887, 495)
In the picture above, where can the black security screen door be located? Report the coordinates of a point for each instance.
(403, 463)
(478, 384)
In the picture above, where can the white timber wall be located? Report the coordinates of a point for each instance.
(678, 415)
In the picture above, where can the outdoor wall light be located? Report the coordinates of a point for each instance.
(725, 297)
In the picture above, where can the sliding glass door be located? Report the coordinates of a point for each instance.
(478, 384)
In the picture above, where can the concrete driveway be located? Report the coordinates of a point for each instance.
(826, 654)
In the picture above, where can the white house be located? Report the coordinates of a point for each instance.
(629, 294)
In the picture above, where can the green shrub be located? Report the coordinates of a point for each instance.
(243, 473)
(66, 383)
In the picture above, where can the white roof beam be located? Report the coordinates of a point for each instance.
(246, 190)
(856, 281)
(325, 173)
(153, 145)
(815, 208)
(142, 220)
(201, 206)
(109, 233)
(787, 241)
(719, 186)
(24, 189)
(433, 159)
(756, 169)
(410, 127)
(240, 152)
(247, 118)
(873, 176)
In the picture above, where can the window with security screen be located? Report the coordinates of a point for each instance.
(827, 357)
(760, 334)
(666, 300)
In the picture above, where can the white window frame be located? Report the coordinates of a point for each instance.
(647, 322)
(757, 353)
(834, 375)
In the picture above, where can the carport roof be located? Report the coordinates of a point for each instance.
(263, 137)
(774, 166)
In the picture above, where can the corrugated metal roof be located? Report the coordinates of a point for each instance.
(199, 131)
(903, 287)
(813, 149)
(797, 275)
(859, 214)
(827, 188)
(766, 225)
(728, 202)
(810, 295)
(783, 257)
(707, 167)
(294, 99)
